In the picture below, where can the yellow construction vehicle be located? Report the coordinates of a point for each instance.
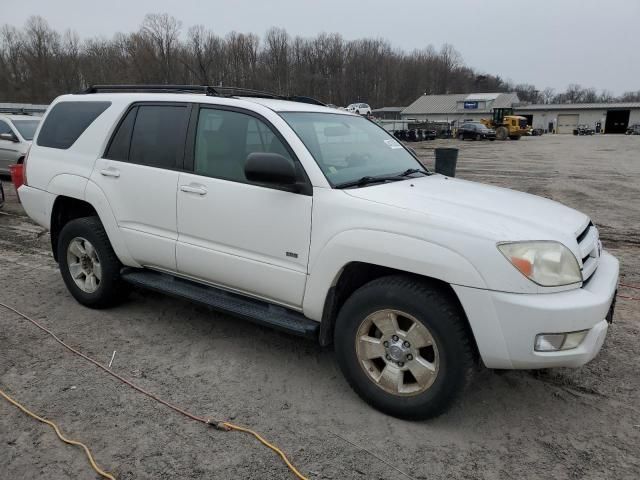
(506, 124)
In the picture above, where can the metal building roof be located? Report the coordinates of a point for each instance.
(578, 106)
(439, 104)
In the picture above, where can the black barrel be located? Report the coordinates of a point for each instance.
(446, 160)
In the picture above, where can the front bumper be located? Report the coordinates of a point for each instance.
(505, 324)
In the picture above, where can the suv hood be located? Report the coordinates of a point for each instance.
(483, 210)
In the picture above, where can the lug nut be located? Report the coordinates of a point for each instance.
(406, 344)
(386, 344)
(401, 364)
(395, 338)
(387, 357)
(409, 357)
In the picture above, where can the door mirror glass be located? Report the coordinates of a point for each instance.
(270, 168)
(9, 137)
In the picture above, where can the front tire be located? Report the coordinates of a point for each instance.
(403, 347)
(89, 266)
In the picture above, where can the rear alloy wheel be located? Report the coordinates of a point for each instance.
(402, 345)
(84, 264)
(89, 266)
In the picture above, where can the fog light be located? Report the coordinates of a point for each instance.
(549, 342)
(553, 342)
(574, 339)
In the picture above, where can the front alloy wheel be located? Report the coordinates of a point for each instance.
(402, 344)
(397, 352)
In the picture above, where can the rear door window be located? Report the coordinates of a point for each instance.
(119, 146)
(67, 121)
(159, 134)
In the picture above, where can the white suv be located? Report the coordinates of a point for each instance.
(317, 222)
(359, 108)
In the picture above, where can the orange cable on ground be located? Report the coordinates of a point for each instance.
(220, 425)
(100, 472)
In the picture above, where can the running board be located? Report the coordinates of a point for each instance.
(256, 311)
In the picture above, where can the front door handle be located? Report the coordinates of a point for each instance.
(199, 189)
(110, 172)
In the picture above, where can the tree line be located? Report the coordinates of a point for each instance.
(38, 63)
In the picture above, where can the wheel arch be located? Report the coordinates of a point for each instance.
(356, 274)
(69, 207)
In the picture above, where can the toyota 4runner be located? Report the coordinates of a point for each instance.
(317, 222)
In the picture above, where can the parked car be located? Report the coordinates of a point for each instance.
(411, 275)
(633, 129)
(536, 132)
(16, 133)
(584, 129)
(359, 108)
(476, 131)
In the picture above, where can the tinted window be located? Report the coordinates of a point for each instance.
(67, 121)
(159, 135)
(27, 128)
(119, 147)
(4, 127)
(225, 138)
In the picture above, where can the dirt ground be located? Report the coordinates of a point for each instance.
(561, 424)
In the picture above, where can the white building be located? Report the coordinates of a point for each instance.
(565, 117)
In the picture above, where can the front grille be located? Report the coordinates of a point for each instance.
(589, 247)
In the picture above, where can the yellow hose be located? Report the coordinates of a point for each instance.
(100, 472)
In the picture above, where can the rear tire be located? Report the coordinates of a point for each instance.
(89, 266)
(402, 346)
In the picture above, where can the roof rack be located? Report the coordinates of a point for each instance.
(159, 88)
(219, 91)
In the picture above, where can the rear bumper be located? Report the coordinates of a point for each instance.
(505, 324)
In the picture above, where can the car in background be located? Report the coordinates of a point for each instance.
(633, 129)
(476, 131)
(359, 108)
(536, 132)
(16, 133)
(584, 129)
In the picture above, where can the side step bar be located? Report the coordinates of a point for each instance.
(256, 311)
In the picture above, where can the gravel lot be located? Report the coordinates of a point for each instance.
(561, 424)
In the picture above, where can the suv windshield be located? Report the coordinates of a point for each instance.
(348, 148)
(27, 128)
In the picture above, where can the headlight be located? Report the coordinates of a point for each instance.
(547, 263)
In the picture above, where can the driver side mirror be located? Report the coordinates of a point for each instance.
(9, 137)
(270, 169)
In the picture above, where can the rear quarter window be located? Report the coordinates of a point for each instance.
(67, 121)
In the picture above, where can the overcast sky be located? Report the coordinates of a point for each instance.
(544, 42)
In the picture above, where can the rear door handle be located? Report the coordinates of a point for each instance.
(110, 172)
(198, 189)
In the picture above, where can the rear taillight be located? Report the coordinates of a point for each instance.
(24, 166)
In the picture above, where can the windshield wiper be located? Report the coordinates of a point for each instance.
(411, 171)
(368, 180)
